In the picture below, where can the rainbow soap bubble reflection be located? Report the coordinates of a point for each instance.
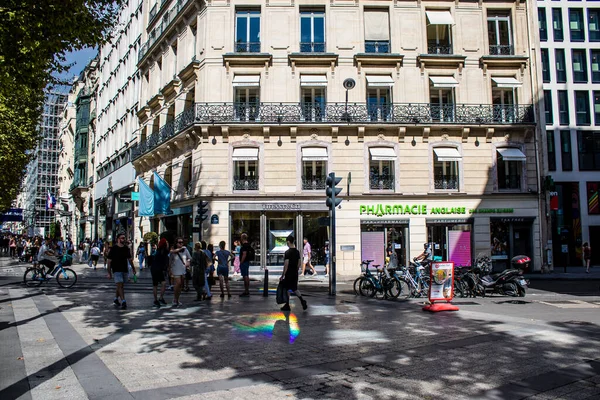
(264, 324)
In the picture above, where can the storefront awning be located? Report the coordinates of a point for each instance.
(443, 81)
(314, 154)
(439, 18)
(245, 154)
(382, 153)
(313, 80)
(246, 80)
(512, 154)
(447, 154)
(503, 82)
(380, 81)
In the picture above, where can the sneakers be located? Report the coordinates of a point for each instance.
(124, 305)
(286, 308)
(304, 304)
(245, 294)
(162, 301)
(116, 302)
(156, 304)
(177, 304)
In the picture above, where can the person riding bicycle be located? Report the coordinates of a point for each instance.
(426, 256)
(44, 256)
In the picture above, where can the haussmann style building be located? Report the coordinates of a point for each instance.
(243, 105)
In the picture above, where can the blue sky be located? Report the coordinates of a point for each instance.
(81, 59)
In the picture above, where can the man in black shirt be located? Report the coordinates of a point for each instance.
(118, 257)
(289, 278)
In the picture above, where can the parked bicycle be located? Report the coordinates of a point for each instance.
(36, 275)
(371, 285)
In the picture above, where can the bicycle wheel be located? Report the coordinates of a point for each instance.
(32, 277)
(394, 289)
(367, 288)
(356, 285)
(66, 278)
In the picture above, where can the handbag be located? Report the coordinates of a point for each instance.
(282, 296)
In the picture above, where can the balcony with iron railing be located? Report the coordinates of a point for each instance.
(337, 113)
(372, 46)
(502, 50)
(436, 48)
(312, 47)
(446, 182)
(247, 47)
(313, 183)
(381, 182)
(245, 183)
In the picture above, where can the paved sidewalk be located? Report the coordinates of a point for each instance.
(75, 344)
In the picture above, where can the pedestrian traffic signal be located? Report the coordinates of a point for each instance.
(202, 212)
(331, 191)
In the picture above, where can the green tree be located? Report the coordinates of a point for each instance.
(35, 37)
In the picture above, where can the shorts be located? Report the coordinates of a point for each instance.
(120, 277)
(158, 276)
(245, 269)
(95, 258)
(223, 271)
(305, 260)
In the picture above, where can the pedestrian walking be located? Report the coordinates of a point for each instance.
(86, 250)
(246, 254)
(151, 254)
(94, 255)
(587, 256)
(107, 247)
(160, 265)
(141, 255)
(209, 265)
(224, 258)
(12, 244)
(179, 262)
(236, 261)
(119, 256)
(306, 256)
(326, 251)
(198, 263)
(289, 278)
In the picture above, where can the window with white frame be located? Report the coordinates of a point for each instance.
(504, 98)
(245, 168)
(247, 31)
(441, 98)
(446, 164)
(439, 32)
(314, 168)
(246, 97)
(312, 31)
(381, 168)
(313, 92)
(377, 31)
(509, 168)
(500, 33)
(379, 97)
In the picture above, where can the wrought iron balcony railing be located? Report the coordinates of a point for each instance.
(381, 182)
(245, 183)
(336, 113)
(448, 182)
(247, 47)
(313, 183)
(435, 48)
(377, 46)
(502, 50)
(312, 47)
(509, 182)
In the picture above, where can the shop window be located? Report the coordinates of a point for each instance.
(451, 242)
(314, 168)
(377, 31)
(317, 235)
(313, 92)
(439, 32)
(245, 167)
(593, 197)
(509, 237)
(248, 223)
(543, 24)
(565, 150)
(551, 150)
(582, 107)
(589, 150)
(446, 168)
(246, 105)
(499, 33)
(548, 107)
(557, 25)
(576, 24)
(384, 242)
(563, 107)
(509, 168)
(312, 31)
(381, 168)
(247, 31)
(441, 98)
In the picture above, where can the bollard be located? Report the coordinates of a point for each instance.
(266, 283)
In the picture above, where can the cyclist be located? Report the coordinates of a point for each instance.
(426, 256)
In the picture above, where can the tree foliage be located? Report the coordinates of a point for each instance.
(35, 37)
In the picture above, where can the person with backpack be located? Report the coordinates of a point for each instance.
(246, 255)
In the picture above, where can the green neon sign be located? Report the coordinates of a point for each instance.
(380, 210)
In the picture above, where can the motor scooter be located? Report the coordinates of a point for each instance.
(509, 282)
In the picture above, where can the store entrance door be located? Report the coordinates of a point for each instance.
(279, 226)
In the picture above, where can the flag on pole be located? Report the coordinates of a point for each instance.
(146, 204)
(50, 201)
(162, 196)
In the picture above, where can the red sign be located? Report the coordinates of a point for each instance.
(441, 281)
(554, 201)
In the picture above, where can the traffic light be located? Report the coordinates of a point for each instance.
(331, 191)
(202, 212)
